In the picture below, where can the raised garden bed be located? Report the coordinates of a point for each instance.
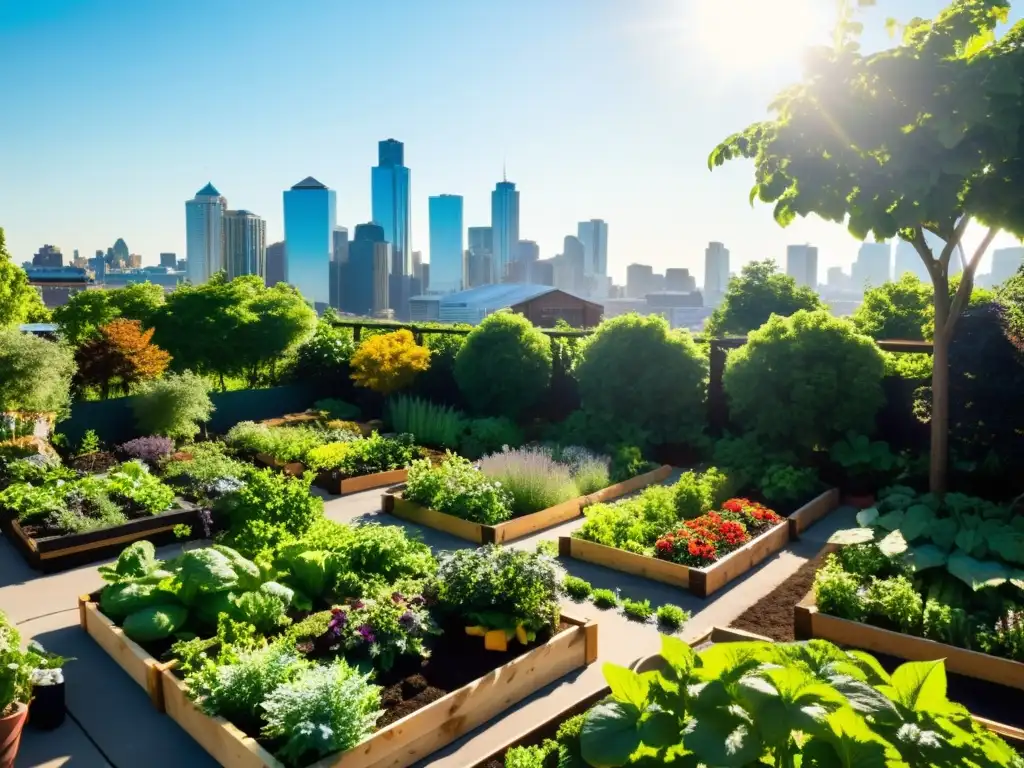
(702, 582)
(333, 482)
(517, 528)
(57, 553)
(443, 716)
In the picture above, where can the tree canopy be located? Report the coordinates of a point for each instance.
(81, 318)
(123, 355)
(759, 292)
(19, 301)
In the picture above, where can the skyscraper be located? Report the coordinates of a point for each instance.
(594, 236)
(569, 267)
(873, 265)
(679, 280)
(339, 260)
(49, 256)
(275, 264)
(447, 270)
(204, 235)
(245, 244)
(504, 227)
(117, 256)
(908, 260)
(365, 285)
(639, 280)
(716, 270)
(389, 181)
(169, 260)
(481, 239)
(802, 265)
(310, 211)
(1005, 263)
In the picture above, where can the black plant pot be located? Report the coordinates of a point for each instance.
(47, 710)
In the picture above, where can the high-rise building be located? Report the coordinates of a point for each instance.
(716, 270)
(639, 280)
(1005, 263)
(275, 264)
(481, 239)
(389, 181)
(570, 269)
(526, 251)
(134, 261)
(504, 227)
(245, 244)
(447, 252)
(908, 260)
(802, 265)
(872, 267)
(204, 235)
(479, 268)
(49, 256)
(169, 260)
(310, 212)
(366, 283)
(117, 256)
(837, 278)
(594, 236)
(339, 261)
(679, 280)
(542, 272)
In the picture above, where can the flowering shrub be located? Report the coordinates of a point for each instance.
(150, 449)
(389, 362)
(703, 540)
(457, 488)
(383, 628)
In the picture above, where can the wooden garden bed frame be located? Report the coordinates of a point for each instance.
(397, 745)
(517, 528)
(703, 582)
(333, 484)
(57, 553)
(809, 622)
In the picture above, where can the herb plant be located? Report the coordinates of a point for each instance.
(637, 610)
(435, 425)
(532, 477)
(490, 435)
(672, 617)
(457, 488)
(365, 456)
(783, 484)
(576, 588)
(605, 598)
(148, 449)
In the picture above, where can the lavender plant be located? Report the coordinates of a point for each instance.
(532, 477)
(590, 471)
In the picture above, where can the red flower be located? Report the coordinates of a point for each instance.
(733, 534)
(701, 550)
(735, 505)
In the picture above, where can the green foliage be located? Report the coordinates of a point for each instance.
(135, 561)
(155, 622)
(908, 365)
(637, 610)
(270, 508)
(576, 588)
(860, 457)
(529, 756)
(598, 431)
(672, 617)
(321, 711)
(782, 484)
(133, 483)
(739, 704)
(209, 473)
(751, 299)
(628, 462)
(19, 301)
(457, 488)
(286, 443)
(333, 408)
(435, 425)
(532, 477)
(264, 609)
(547, 547)
(699, 493)
(838, 592)
(504, 366)
(484, 436)
(605, 599)
(365, 456)
(746, 459)
(634, 524)
(803, 381)
(499, 588)
(324, 358)
(90, 443)
(17, 665)
(896, 310)
(182, 531)
(895, 602)
(636, 370)
(35, 374)
(173, 406)
(85, 312)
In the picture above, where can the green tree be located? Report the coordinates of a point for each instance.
(35, 374)
(759, 292)
(898, 310)
(19, 301)
(925, 136)
(1011, 295)
(278, 321)
(87, 311)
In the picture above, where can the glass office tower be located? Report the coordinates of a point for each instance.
(204, 235)
(504, 227)
(310, 211)
(389, 181)
(446, 244)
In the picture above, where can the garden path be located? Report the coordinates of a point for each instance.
(112, 725)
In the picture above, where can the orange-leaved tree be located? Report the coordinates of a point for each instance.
(122, 355)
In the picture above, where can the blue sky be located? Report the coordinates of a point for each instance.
(116, 112)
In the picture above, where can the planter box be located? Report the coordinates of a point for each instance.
(333, 483)
(129, 655)
(56, 553)
(809, 623)
(293, 468)
(478, 533)
(700, 581)
(812, 512)
(415, 736)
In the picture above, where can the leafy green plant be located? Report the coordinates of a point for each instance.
(782, 484)
(204, 471)
(438, 426)
(182, 531)
(547, 547)
(389, 362)
(804, 380)
(837, 592)
(605, 599)
(267, 510)
(332, 409)
(364, 456)
(637, 610)
(671, 617)
(504, 366)
(634, 524)
(457, 488)
(35, 374)
(90, 443)
(484, 436)
(133, 482)
(861, 457)
(697, 493)
(627, 462)
(636, 370)
(576, 588)
(783, 704)
(173, 406)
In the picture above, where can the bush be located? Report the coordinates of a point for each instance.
(634, 524)
(628, 462)
(532, 477)
(589, 471)
(338, 409)
(576, 588)
(786, 485)
(389, 362)
(504, 368)
(150, 449)
(483, 436)
(173, 406)
(35, 374)
(457, 488)
(437, 383)
(270, 508)
(365, 456)
(605, 599)
(805, 380)
(637, 610)
(636, 370)
(209, 473)
(698, 493)
(324, 359)
(672, 616)
(435, 425)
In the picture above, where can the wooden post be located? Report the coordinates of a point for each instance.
(357, 331)
(718, 409)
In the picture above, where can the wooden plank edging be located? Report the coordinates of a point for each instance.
(405, 741)
(812, 512)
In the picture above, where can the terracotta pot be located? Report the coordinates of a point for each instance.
(861, 502)
(10, 735)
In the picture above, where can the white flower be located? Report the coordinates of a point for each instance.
(12, 665)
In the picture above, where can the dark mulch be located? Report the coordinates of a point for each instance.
(773, 615)
(93, 463)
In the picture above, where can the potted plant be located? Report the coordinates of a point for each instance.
(16, 668)
(46, 710)
(866, 466)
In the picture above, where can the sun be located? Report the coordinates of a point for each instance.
(749, 36)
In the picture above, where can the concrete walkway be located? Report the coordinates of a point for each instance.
(112, 724)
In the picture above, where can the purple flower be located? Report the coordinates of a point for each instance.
(397, 597)
(337, 622)
(367, 634)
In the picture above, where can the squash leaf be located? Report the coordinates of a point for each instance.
(925, 556)
(977, 574)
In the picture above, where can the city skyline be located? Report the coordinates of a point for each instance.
(621, 151)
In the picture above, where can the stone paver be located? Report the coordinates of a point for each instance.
(111, 722)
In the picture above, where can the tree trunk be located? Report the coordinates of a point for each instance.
(940, 416)
(223, 386)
